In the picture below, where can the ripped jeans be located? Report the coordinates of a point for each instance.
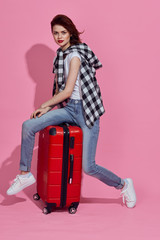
(71, 113)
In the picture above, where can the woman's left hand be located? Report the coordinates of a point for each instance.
(39, 112)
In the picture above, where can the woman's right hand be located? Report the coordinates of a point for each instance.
(39, 112)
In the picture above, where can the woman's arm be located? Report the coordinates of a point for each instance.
(66, 93)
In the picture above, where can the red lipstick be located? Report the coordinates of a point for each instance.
(60, 41)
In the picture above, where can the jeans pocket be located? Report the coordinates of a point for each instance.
(69, 103)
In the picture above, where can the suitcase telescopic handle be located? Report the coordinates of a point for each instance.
(71, 168)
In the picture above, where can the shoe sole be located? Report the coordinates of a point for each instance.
(22, 187)
(130, 181)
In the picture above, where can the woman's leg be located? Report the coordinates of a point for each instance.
(90, 138)
(31, 126)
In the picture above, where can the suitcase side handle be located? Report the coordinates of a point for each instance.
(71, 168)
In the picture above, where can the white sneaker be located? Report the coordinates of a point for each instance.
(21, 182)
(128, 193)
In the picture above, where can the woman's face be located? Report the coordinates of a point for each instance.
(61, 36)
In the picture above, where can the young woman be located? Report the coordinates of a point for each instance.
(77, 93)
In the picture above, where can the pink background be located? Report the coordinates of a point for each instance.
(125, 35)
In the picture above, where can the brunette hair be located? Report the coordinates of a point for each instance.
(67, 23)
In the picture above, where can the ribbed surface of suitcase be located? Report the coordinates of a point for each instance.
(60, 165)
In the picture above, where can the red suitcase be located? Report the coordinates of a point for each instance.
(59, 167)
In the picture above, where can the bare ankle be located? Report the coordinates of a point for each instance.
(24, 172)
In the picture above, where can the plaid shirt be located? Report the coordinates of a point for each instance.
(91, 95)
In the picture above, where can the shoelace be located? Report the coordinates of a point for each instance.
(15, 181)
(125, 196)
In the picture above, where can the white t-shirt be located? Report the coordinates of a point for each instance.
(76, 94)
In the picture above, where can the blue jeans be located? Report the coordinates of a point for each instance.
(71, 113)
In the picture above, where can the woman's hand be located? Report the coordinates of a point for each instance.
(39, 112)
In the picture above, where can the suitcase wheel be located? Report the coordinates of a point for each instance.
(36, 197)
(72, 210)
(46, 210)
